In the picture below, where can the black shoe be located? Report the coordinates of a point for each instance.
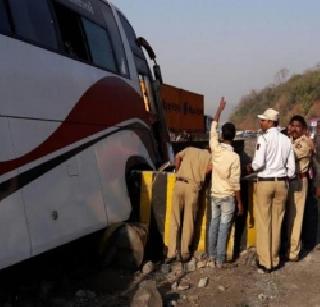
(185, 259)
(170, 260)
(276, 268)
(296, 259)
(263, 268)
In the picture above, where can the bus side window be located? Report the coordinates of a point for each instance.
(33, 22)
(139, 58)
(84, 39)
(115, 38)
(4, 22)
(136, 50)
(71, 31)
(99, 45)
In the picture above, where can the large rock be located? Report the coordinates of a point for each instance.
(190, 266)
(147, 295)
(148, 267)
(201, 264)
(177, 268)
(165, 268)
(183, 286)
(131, 240)
(203, 282)
(124, 245)
(248, 257)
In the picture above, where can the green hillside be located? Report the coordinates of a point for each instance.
(299, 95)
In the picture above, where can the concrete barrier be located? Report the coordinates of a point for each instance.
(155, 210)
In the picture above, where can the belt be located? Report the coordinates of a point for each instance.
(182, 179)
(272, 178)
(303, 175)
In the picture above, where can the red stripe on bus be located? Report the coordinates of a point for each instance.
(106, 103)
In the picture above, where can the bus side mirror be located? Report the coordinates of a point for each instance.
(142, 42)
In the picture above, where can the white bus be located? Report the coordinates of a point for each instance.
(73, 121)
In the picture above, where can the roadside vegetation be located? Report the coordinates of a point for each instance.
(300, 94)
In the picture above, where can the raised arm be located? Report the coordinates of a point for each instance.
(220, 108)
(216, 118)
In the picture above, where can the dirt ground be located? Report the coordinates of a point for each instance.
(295, 284)
(56, 281)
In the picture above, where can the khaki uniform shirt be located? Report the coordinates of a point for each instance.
(302, 153)
(311, 144)
(194, 164)
(225, 167)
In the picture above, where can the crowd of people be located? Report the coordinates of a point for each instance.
(284, 162)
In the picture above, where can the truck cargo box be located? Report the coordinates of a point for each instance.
(183, 110)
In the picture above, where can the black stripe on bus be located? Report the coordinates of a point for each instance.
(11, 185)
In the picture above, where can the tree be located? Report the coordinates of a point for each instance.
(281, 76)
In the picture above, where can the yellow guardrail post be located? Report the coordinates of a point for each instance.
(171, 181)
(145, 197)
(251, 228)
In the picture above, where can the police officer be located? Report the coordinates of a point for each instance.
(316, 160)
(192, 165)
(274, 162)
(298, 187)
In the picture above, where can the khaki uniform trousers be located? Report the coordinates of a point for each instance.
(185, 198)
(270, 209)
(298, 190)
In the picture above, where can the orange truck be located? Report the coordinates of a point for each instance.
(183, 110)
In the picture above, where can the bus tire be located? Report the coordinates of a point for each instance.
(133, 181)
(123, 245)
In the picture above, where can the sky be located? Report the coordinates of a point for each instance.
(227, 47)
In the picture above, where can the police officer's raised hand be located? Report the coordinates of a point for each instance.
(222, 104)
(220, 108)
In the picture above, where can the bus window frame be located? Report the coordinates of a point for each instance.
(60, 48)
(9, 19)
(118, 25)
(110, 40)
(84, 34)
(141, 55)
(13, 34)
(19, 37)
